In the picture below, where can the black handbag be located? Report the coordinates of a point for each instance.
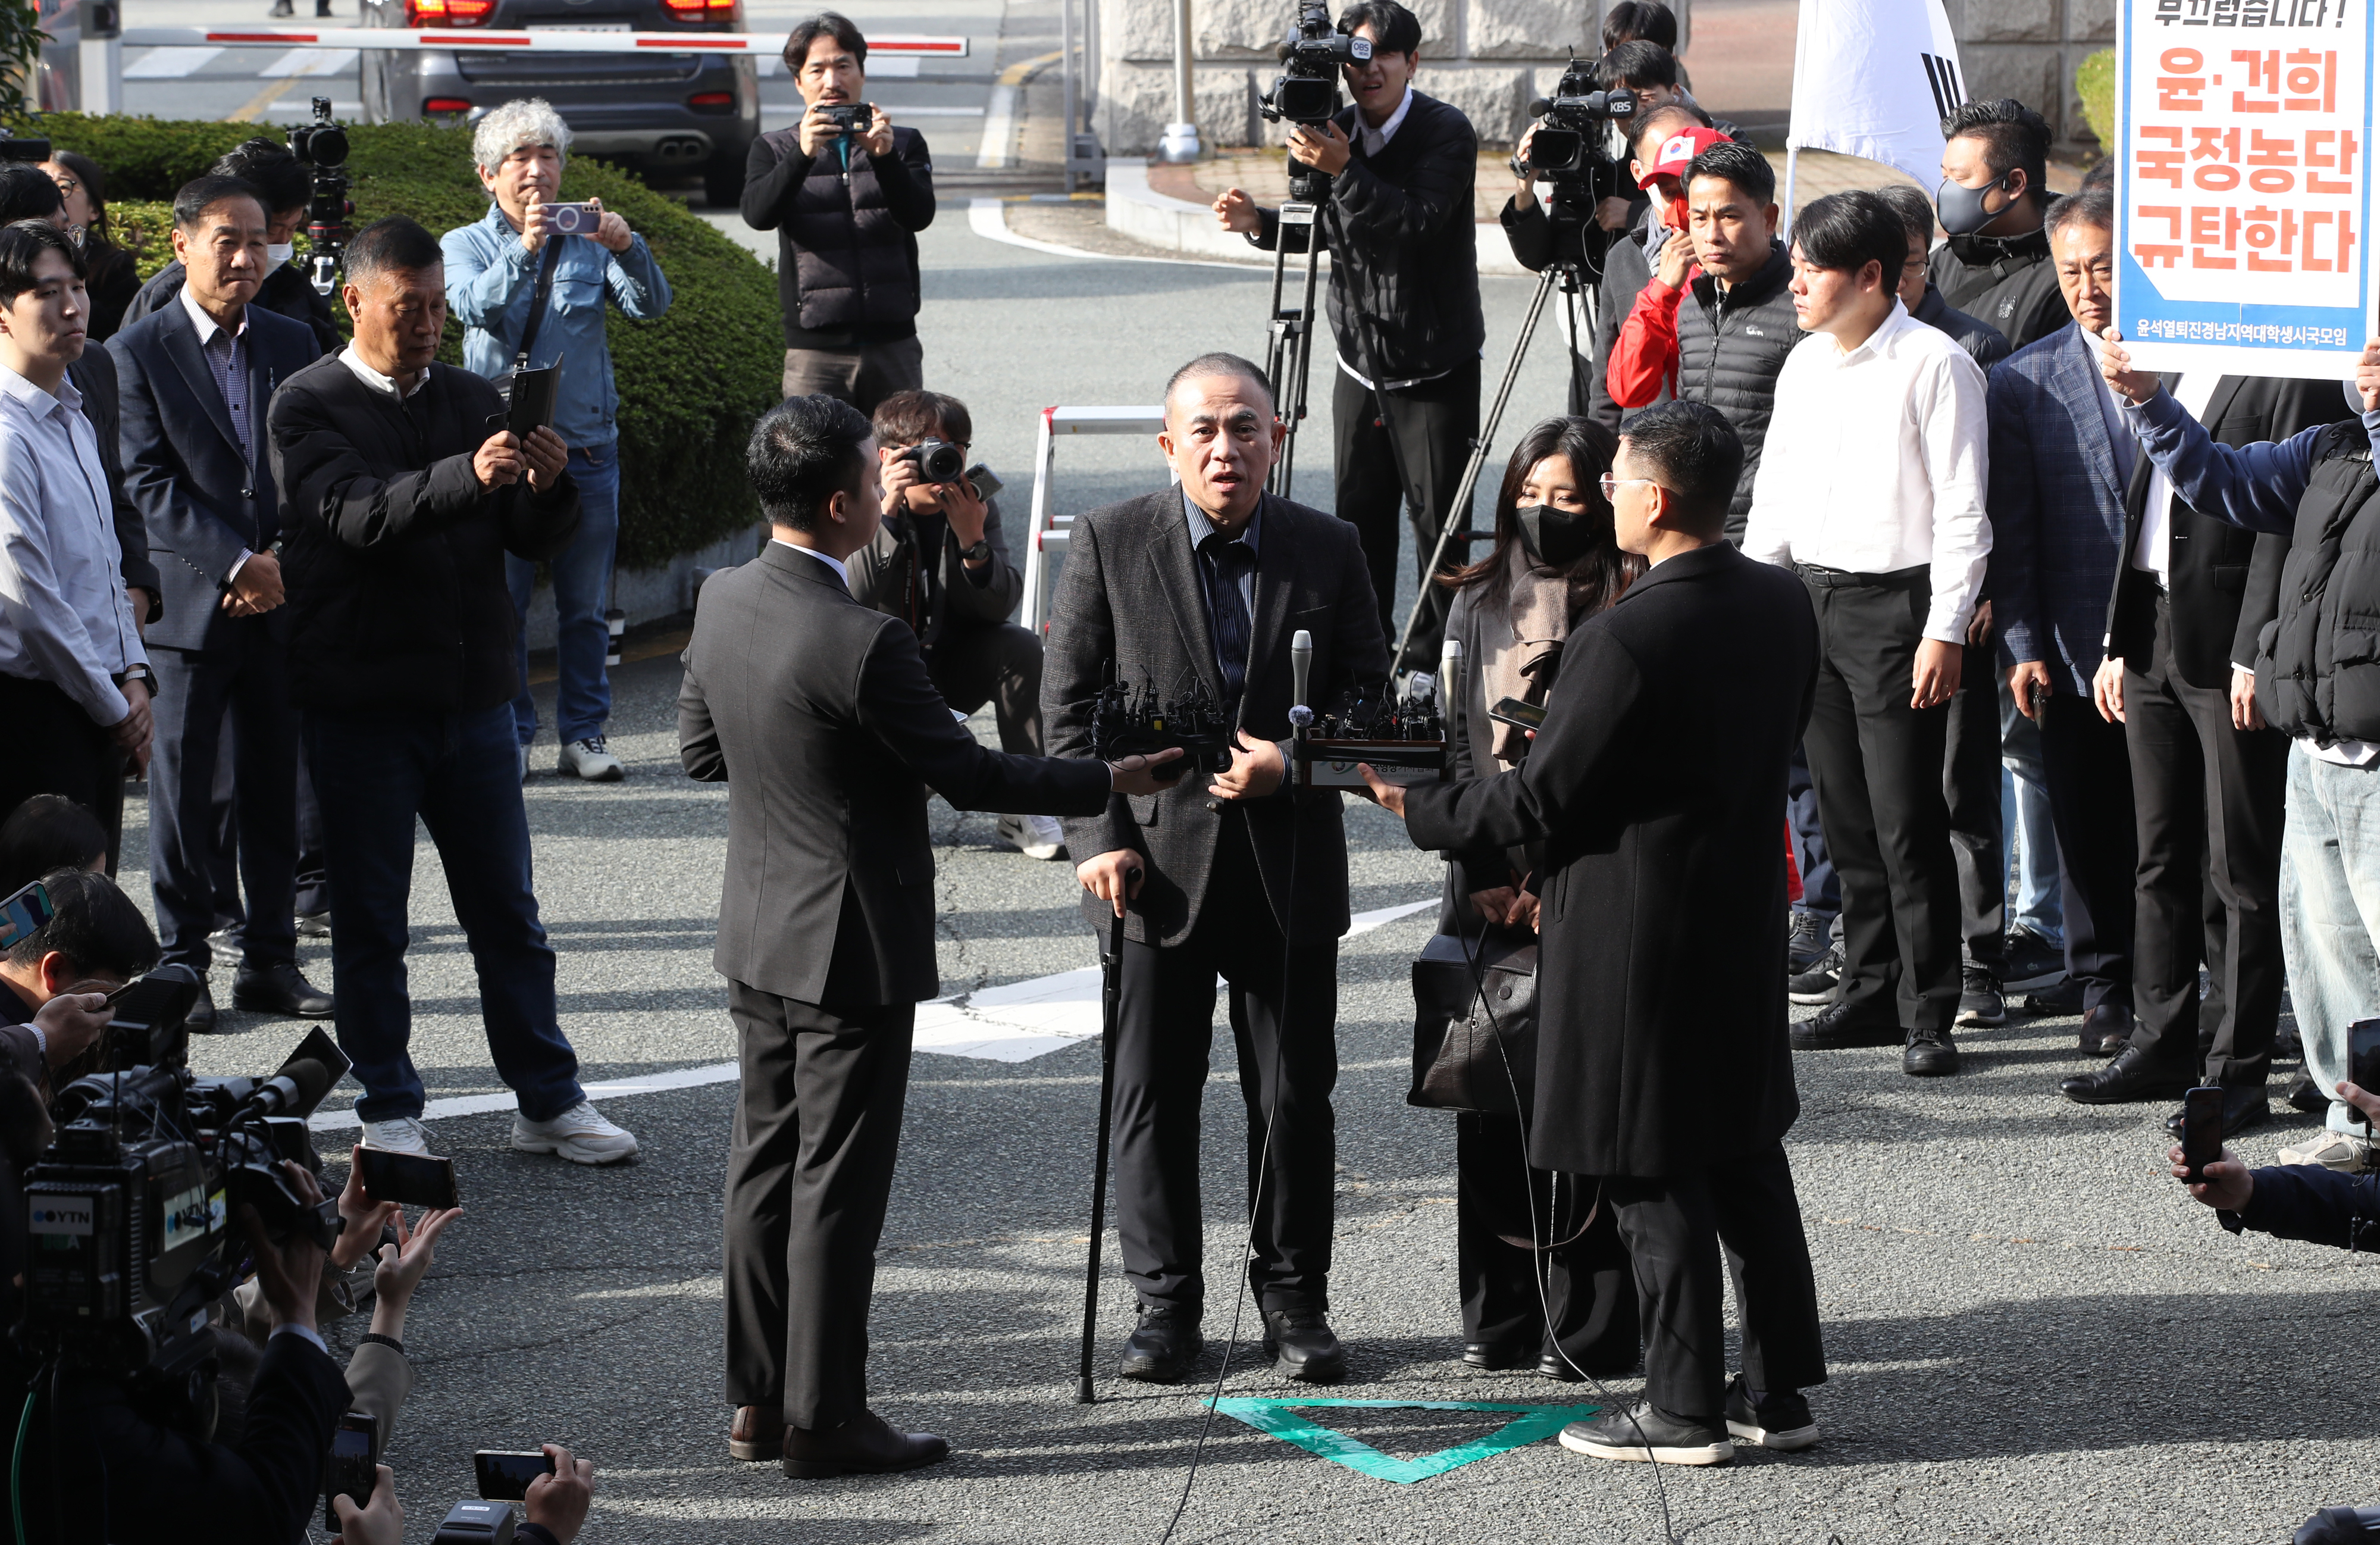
(1458, 1062)
(540, 298)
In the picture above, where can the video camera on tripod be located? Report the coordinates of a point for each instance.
(321, 146)
(1306, 92)
(1569, 152)
(131, 1210)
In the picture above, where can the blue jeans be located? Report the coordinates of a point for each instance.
(2024, 823)
(582, 589)
(2330, 913)
(374, 772)
(1821, 894)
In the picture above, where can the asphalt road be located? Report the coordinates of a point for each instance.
(2034, 1335)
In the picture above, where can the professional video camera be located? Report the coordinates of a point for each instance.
(321, 146)
(1307, 90)
(1568, 149)
(132, 1209)
(1125, 723)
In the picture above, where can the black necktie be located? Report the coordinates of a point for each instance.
(1226, 561)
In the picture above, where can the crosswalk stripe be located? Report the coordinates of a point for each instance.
(169, 64)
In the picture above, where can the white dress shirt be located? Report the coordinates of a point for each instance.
(65, 615)
(842, 569)
(1374, 140)
(2153, 553)
(384, 384)
(1875, 463)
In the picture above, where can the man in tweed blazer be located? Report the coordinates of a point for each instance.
(2059, 461)
(1203, 587)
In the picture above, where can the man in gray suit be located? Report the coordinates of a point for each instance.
(1204, 586)
(819, 713)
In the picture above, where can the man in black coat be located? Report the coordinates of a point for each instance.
(846, 208)
(195, 380)
(398, 505)
(1663, 915)
(1993, 200)
(1202, 588)
(818, 713)
(1403, 303)
(2190, 598)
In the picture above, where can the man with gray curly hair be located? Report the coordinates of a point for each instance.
(529, 284)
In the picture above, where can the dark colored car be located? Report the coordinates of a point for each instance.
(655, 111)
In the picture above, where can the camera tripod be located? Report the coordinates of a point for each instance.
(1576, 277)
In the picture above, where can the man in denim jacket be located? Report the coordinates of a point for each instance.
(492, 271)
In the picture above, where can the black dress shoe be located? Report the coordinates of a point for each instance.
(2106, 1031)
(2243, 1106)
(866, 1445)
(1834, 1028)
(1494, 1355)
(1553, 1365)
(1929, 1054)
(281, 989)
(1163, 1345)
(202, 1011)
(2135, 1075)
(2056, 1001)
(1806, 941)
(1302, 1345)
(755, 1433)
(2304, 1096)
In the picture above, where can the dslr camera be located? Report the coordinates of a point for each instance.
(1307, 89)
(321, 146)
(937, 461)
(132, 1210)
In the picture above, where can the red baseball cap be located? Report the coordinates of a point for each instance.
(1677, 152)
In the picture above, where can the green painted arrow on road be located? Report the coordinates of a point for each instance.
(1280, 1418)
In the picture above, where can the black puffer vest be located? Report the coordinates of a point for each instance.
(2318, 662)
(855, 267)
(1729, 348)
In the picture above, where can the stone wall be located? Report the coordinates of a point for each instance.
(1487, 57)
(2028, 50)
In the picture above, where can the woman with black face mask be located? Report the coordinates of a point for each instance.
(1555, 564)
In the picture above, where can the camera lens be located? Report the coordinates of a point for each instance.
(327, 146)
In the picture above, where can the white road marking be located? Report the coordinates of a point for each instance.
(1015, 1023)
(169, 64)
(999, 127)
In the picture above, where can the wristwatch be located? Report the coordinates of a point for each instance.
(981, 552)
(142, 675)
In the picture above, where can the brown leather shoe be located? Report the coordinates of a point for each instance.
(2106, 1030)
(756, 1433)
(863, 1446)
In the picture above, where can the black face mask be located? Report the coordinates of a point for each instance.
(1962, 208)
(1554, 537)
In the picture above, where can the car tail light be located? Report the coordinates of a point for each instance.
(685, 10)
(433, 105)
(716, 102)
(447, 13)
(720, 10)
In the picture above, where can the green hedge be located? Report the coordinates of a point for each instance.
(690, 384)
(2094, 83)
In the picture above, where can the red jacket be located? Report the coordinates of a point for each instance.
(1645, 356)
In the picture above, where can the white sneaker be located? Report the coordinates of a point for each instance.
(2332, 1151)
(1035, 836)
(524, 759)
(397, 1135)
(577, 1133)
(588, 760)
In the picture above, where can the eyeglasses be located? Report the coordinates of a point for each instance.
(1610, 483)
(67, 186)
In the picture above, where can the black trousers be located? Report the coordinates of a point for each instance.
(245, 680)
(1289, 1063)
(2089, 774)
(1588, 1281)
(223, 863)
(1435, 422)
(1675, 1227)
(1000, 663)
(809, 1172)
(55, 748)
(1970, 786)
(2208, 799)
(1878, 766)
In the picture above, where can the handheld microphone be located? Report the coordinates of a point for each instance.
(1301, 671)
(1450, 672)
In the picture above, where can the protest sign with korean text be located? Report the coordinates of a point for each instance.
(2243, 194)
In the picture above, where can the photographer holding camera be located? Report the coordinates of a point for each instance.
(940, 564)
(529, 292)
(1404, 302)
(95, 941)
(846, 193)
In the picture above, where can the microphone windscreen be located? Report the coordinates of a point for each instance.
(1540, 106)
(313, 1081)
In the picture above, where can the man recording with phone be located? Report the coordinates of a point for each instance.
(846, 193)
(939, 563)
(96, 941)
(532, 284)
(1403, 303)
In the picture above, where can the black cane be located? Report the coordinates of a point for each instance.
(1110, 1003)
